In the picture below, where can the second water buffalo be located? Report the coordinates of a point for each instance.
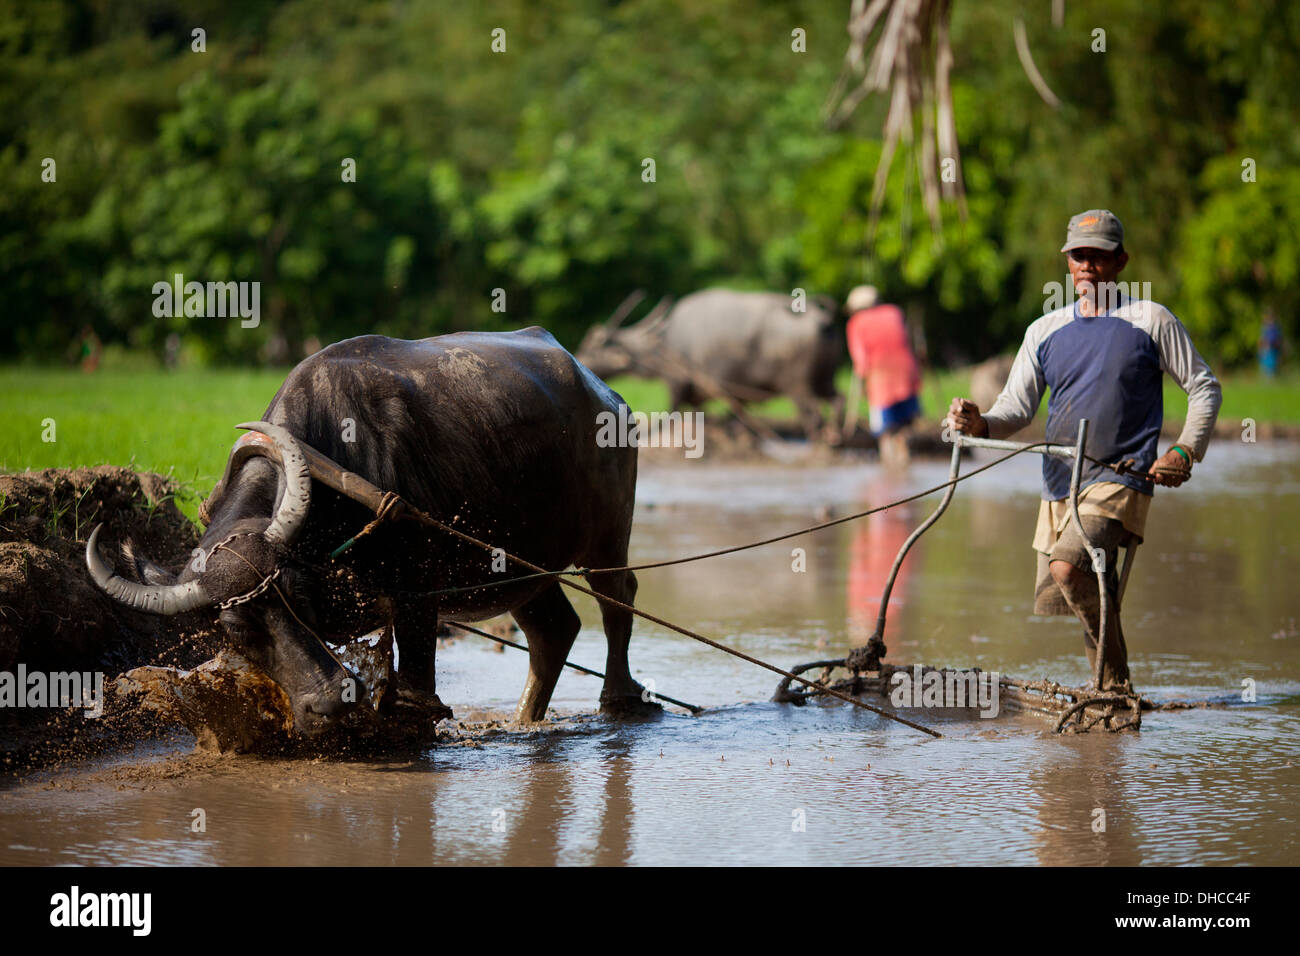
(752, 345)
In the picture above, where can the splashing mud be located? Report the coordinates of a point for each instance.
(229, 704)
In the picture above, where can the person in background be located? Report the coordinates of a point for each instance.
(1270, 345)
(172, 351)
(882, 357)
(87, 349)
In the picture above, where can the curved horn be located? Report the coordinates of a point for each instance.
(165, 599)
(247, 446)
(325, 470)
(625, 309)
(657, 316)
(295, 501)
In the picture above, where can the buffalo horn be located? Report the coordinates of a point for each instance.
(165, 599)
(295, 501)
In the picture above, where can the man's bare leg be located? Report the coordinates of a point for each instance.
(893, 449)
(1080, 591)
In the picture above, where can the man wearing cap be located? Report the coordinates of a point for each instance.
(1103, 357)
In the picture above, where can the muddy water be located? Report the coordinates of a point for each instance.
(1213, 602)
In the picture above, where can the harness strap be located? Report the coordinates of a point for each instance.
(387, 503)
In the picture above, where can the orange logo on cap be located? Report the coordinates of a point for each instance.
(1090, 221)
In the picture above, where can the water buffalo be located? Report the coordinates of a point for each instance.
(988, 378)
(752, 344)
(491, 432)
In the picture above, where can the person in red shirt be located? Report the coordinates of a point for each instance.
(882, 357)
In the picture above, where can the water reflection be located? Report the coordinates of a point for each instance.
(874, 546)
(1089, 820)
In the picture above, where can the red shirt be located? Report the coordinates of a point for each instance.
(881, 354)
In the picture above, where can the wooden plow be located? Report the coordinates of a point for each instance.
(1071, 709)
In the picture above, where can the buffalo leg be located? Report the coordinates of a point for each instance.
(620, 692)
(551, 625)
(416, 624)
(834, 430)
(679, 394)
(810, 415)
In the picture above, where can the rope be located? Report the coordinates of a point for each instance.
(577, 667)
(1121, 468)
(425, 519)
(583, 572)
(386, 505)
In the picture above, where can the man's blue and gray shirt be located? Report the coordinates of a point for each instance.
(1107, 369)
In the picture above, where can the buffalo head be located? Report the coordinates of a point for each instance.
(605, 353)
(243, 567)
(608, 349)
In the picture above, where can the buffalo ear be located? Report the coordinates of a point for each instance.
(145, 570)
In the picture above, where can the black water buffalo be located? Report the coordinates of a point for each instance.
(493, 433)
(752, 344)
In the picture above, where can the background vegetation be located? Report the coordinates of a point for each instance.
(522, 170)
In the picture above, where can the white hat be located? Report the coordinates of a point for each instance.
(862, 297)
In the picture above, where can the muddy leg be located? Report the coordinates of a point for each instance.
(679, 395)
(621, 693)
(835, 429)
(415, 622)
(551, 624)
(1080, 591)
(893, 449)
(810, 416)
(414, 692)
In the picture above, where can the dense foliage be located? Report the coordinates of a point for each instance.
(525, 170)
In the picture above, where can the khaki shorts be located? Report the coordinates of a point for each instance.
(1106, 534)
(1109, 499)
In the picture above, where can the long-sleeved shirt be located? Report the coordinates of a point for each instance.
(1107, 368)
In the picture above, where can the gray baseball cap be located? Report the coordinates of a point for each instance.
(1094, 229)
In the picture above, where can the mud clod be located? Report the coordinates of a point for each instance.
(54, 619)
(230, 705)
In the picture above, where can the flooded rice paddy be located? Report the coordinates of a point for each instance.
(1212, 611)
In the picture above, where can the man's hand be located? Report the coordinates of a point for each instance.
(1171, 469)
(964, 416)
